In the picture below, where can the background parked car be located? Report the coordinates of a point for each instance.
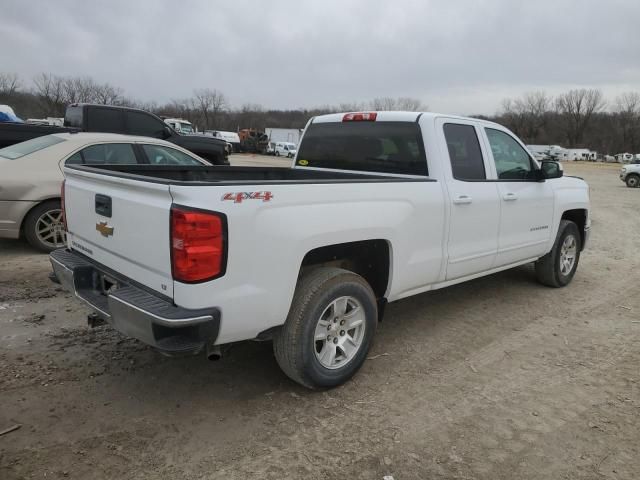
(184, 127)
(285, 149)
(32, 176)
(111, 119)
(630, 174)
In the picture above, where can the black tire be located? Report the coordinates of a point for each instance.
(294, 344)
(632, 180)
(31, 221)
(548, 270)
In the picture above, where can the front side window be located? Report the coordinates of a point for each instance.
(145, 125)
(161, 155)
(512, 161)
(109, 154)
(464, 152)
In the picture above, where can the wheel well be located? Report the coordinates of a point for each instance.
(579, 217)
(24, 219)
(368, 258)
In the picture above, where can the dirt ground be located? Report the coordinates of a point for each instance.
(499, 378)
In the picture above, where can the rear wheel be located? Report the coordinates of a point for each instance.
(633, 180)
(329, 329)
(557, 268)
(44, 228)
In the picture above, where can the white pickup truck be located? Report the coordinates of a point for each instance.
(378, 206)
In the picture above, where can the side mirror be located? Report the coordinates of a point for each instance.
(551, 169)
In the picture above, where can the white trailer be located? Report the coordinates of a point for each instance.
(290, 135)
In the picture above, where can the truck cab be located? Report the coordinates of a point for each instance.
(132, 121)
(181, 126)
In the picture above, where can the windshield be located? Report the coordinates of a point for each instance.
(385, 147)
(185, 127)
(25, 148)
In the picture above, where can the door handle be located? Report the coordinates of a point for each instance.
(462, 200)
(509, 197)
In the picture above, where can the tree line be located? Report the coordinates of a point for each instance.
(578, 118)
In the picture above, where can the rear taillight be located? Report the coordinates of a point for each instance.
(197, 245)
(64, 214)
(360, 117)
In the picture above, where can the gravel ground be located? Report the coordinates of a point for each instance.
(499, 378)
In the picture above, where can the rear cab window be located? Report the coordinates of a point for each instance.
(18, 150)
(383, 147)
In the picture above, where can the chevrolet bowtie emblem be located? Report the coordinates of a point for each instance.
(104, 229)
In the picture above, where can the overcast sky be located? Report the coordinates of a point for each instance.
(456, 56)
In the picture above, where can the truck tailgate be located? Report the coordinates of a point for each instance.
(122, 224)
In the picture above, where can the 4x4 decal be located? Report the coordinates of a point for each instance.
(240, 196)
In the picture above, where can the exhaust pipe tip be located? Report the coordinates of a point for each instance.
(214, 353)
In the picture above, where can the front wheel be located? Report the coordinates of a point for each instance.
(557, 268)
(329, 329)
(632, 181)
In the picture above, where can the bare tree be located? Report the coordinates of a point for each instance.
(384, 103)
(9, 84)
(50, 90)
(400, 103)
(627, 110)
(78, 90)
(210, 103)
(411, 104)
(527, 115)
(578, 107)
(107, 94)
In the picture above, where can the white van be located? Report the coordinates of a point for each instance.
(285, 149)
(179, 125)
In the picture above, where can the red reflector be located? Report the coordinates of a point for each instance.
(64, 214)
(360, 117)
(197, 245)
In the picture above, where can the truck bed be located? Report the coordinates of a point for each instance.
(215, 175)
(14, 132)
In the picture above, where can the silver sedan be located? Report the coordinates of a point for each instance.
(31, 177)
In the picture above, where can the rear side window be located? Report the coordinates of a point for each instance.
(109, 154)
(464, 152)
(75, 159)
(386, 147)
(73, 117)
(30, 146)
(105, 120)
(161, 155)
(139, 123)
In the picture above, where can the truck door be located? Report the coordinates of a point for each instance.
(526, 203)
(474, 203)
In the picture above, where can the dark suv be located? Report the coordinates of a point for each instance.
(131, 121)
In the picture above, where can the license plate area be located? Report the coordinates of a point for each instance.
(104, 284)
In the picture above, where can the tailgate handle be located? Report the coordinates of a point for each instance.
(103, 205)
